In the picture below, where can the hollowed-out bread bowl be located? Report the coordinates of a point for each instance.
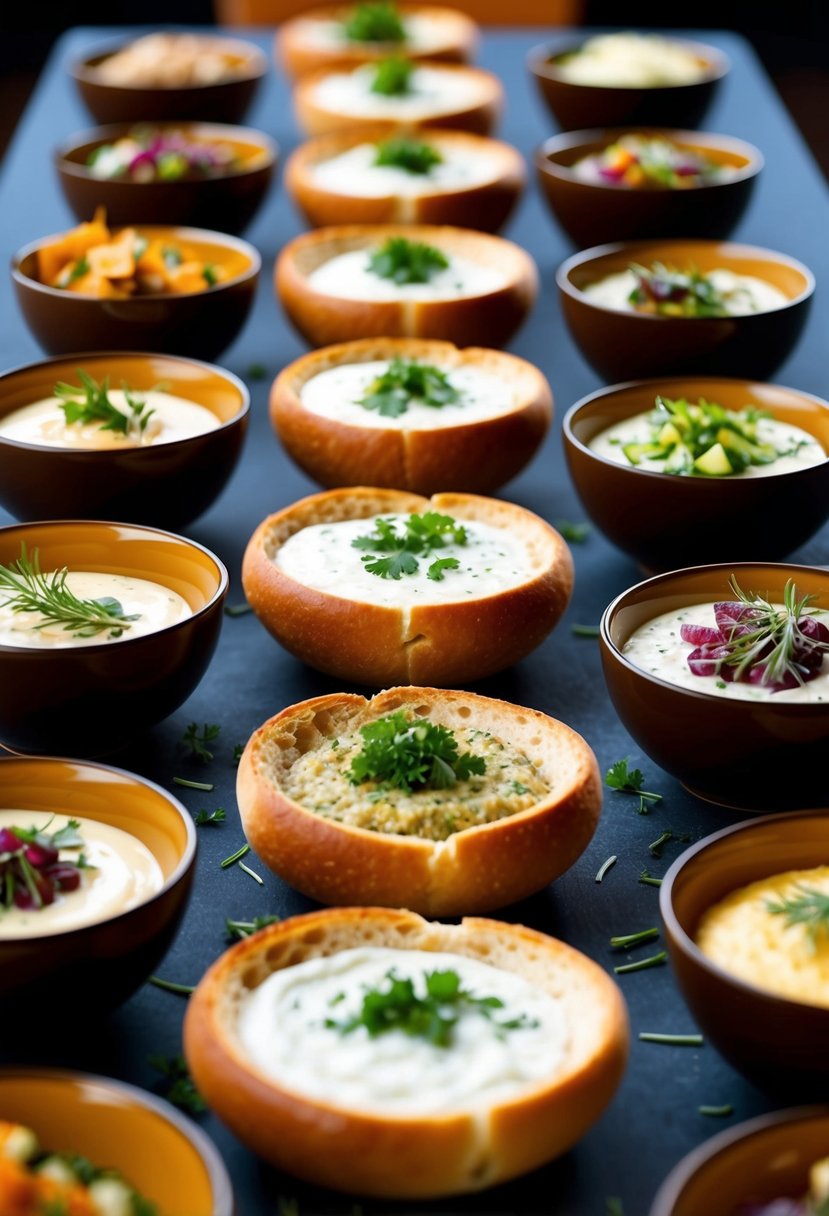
(473, 456)
(312, 40)
(474, 869)
(485, 202)
(488, 318)
(473, 100)
(441, 644)
(365, 1150)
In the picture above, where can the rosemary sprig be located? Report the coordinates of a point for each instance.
(809, 907)
(25, 588)
(91, 403)
(777, 628)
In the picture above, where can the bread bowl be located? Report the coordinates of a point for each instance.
(323, 281)
(457, 96)
(315, 411)
(406, 849)
(318, 37)
(364, 1149)
(339, 178)
(430, 642)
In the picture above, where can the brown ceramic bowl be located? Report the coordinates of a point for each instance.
(671, 521)
(592, 213)
(101, 964)
(199, 324)
(226, 203)
(576, 106)
(758, 1161)
(775, 1040)
(225, 101)
(167, 485)
(624, 345)
(755, 755)
(158, 1150)
(49, 697)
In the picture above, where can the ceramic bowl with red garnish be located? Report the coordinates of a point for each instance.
(721, 674)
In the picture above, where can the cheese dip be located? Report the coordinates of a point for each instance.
(432, 91)
(630, 61)
(741, 293)
(348, 276)
(354, 172)
(170, 418)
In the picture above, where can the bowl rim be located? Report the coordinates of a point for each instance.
(674, 1184)
(184, 864)
(83, 68)
(177, 626)
(567, 140)
(97, 453)
(223, 1201)
(224, 130)
(647, 248)
(686, 944)
(539, 61)
(655, 382)
(795, 709)
(182, 232)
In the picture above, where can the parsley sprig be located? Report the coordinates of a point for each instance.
(393, 77)
(630, 781)
(421, 535)
(405, 754)
(410, 155)
(195, 740)
(808, 907)
(404, 381)
(91, 403)
(404, 261)
(378, 21)
(25, 588)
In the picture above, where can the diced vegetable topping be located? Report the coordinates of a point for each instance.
(647, 164)
(147, 155)
(675, 293)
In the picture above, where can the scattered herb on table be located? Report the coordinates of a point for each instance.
(649, 880)
(170, 986)
(806, 906)
(586, 631)
(410, 155)
(196, 741)
(717, 1112)
(573, 533)
(207, 818)
(401, 753)
(655, 846)
(25, 588)
(237, 609)
(378, 21)
(237, 752)
(251, 873)
(178, 1084)
(654, 960)
(204, 786)
(405, 381)
(90, 403)
(234, 857)
(257, 371)
(421, 536)
(237, 930)
(614, 1206)
(630, 781)
(607, 865)
(404, 261)
(627, 941)
(392, 77)
(672, 1040)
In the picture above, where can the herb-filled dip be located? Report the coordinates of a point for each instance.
(403, 560)
(774, 934)
(637, 162)
(403, 269)
(630, 60)
(661, 291)
(401, 90)
(59, 874)
(404, 394)
(403, 166)
(373, 25)
(402, 1031)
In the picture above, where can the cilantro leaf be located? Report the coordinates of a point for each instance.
(405, 381)
(204, 818)
(410, 754)
(374, 22)
(421, 534)
(392, 77)
(405, 261)
(196, 741)
(410, 155)
(630, 781)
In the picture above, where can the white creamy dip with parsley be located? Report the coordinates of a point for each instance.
(432, 91)
(323, 557)
(156, 608)
(742, 293)
(122, 873)
(282, 1029)
(422, 35)
(169, 418)
(354, 172)
(348, 276)
(656, 647)
(629, 60)
(799, 447)
(336, 393)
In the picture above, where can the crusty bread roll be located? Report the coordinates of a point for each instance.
(416, 1156)
(485, 319)
(476, 457)
(444, 644)
(485, 206)
(452, 38)
(474, 870)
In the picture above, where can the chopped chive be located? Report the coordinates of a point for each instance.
(649, 880)
(614, 1206)
(204, 786)
(252, 873)
(628, 940)
(611, 861)
(237, 609)
(257, 371)
(169, 986)
(237, 856)
(717, 1112)
(654, 960)
(655, 847)
(576, 534)
(672, 1040)
(585, 631)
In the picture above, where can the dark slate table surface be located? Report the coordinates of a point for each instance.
(654, 1119)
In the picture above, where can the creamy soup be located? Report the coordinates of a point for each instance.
(741, 293)
(170, 418)
(154, 606)
(422, 35)
(323, 557)
(348, 275)
(432, 90)
(122, 873)
(336, 394)
(354, 172)
(630, 61)
(282, 1029)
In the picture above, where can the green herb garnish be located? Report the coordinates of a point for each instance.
(204, 786)
(178, 1084)
(409, 754)
(204, 818)
(411, 155)
(393, 77)
(586, 631)
(627, 941)
(809, 907)
(405, 261)
(421, 536)
(234, 857)
(573, 533)
(605, 866)
(774, 638)
(239, 929)
(675, 293)
(196, 741)
(209, 275)
(630, 781)
(374, 22)
(91, 403)
(716, 1112)
(405, 381)
(171, 986)
(672, 1040)
(649, 880)
(655, 960)
(25, 588)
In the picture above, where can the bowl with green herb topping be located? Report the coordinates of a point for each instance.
(707, 467)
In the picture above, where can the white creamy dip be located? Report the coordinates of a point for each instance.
(323, 557)
(801, 448)
(742, 293)
(422, 34)
(354, 172)
(44, 422)
(336, 393)
(123, 873)
(631, 61)
(282, 1029)
(432, 91)
(157, 607)
(347, 275)
(656, 647)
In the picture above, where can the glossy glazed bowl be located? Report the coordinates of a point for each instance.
(165, 485)
(49, 697)
(226, 202)
(103, 963)
(594, 212)
(755, 755)
(225, 101)
(756, 1162)
(575, 106)
(162, 1153)
(624, 345)
(774, 1040)
(199, 324)
(671, 521)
